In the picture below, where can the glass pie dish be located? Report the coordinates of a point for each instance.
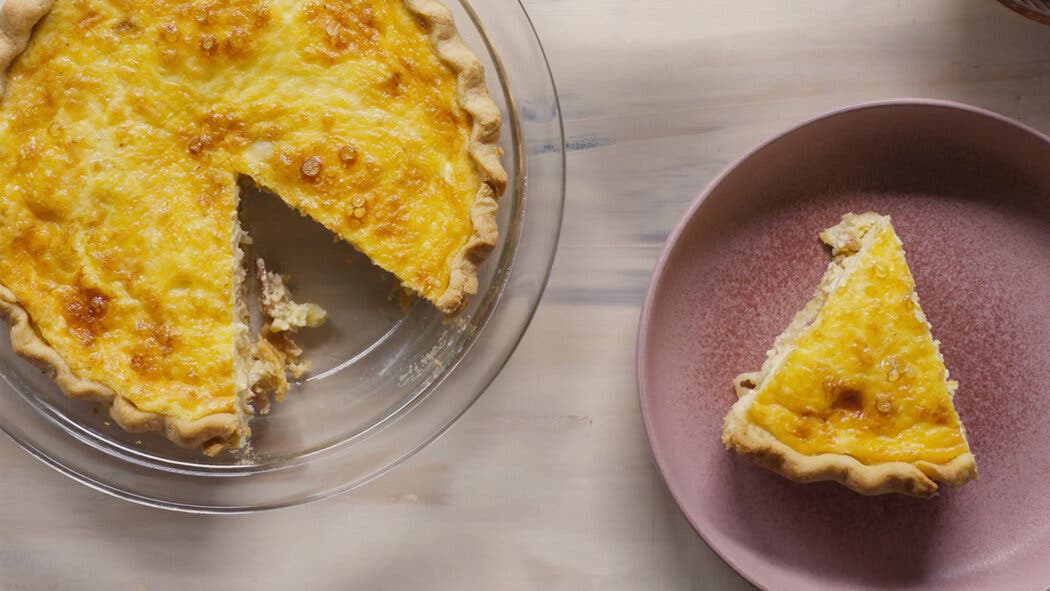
(388, 375)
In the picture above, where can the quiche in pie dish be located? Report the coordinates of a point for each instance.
(855, 390)
(124, 129)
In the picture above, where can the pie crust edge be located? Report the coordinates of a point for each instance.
(473, 97)
(211, 432)
(911, 478)
(752, 441)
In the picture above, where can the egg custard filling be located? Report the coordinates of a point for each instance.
(124, 128)
(856, 390)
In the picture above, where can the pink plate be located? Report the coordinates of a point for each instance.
(969, 193)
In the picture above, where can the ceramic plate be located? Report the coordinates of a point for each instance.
(969, 193)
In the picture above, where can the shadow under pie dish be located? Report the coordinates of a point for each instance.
(125, 130)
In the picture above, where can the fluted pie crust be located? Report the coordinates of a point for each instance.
(216, 431)
(871, 405)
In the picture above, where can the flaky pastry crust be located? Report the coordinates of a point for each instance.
(213, 432)
(910, 478)
(209, 433)
(484, 148)
(17, 19)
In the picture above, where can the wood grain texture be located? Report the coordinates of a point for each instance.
(548, 483)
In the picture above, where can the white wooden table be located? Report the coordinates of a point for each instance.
(548, 483)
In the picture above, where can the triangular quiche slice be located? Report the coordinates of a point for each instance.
(855, 389)
(124, 128)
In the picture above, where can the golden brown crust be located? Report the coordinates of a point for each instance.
(210, 433)
(484, 149)
(910, 478)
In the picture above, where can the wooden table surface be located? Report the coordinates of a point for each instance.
(548, 482)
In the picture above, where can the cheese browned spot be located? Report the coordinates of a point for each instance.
(85, 311)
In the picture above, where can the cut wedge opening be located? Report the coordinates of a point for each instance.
(267, 355)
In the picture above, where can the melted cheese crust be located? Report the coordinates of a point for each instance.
(123, 132)
(866, 378)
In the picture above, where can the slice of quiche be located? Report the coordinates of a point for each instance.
(124, 128)
(855, 390)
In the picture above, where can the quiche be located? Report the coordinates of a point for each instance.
(855, 389)
(125, 128)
